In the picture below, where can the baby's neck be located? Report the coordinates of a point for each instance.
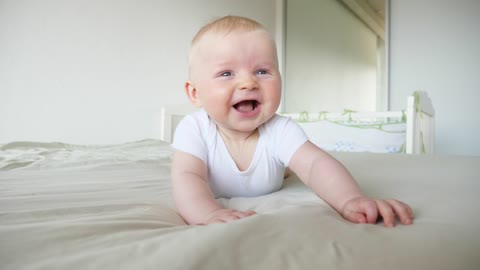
(241, 146)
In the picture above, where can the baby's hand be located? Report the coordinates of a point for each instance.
(226, 215)
(366, 210)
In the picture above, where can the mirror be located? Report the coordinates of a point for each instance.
(335, 56)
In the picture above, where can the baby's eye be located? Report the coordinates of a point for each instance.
(262, 72)
(226, 74)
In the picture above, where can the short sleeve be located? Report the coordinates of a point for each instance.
(188, 137)
(289, 137)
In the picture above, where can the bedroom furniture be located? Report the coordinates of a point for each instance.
(170, 116)
(409, 131)
(109, 207)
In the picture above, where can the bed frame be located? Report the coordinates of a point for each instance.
(170, 116)
(420, 124)
(418, 118)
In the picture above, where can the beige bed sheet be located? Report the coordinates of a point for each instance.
(85, 207)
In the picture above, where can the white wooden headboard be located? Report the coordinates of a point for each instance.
(170, 116)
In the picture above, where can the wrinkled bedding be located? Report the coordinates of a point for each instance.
(109, 207)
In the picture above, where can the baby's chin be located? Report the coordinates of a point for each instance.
(239, 128)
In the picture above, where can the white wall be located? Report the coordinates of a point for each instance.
(331, 58)
(98, 71)
(435, 47)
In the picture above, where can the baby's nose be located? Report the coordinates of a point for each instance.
(248, 82)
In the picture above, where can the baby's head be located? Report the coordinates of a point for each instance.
(222, 27)
(230, 55)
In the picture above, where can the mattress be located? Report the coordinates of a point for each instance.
(109, 207)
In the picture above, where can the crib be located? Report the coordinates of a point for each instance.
(409, 131)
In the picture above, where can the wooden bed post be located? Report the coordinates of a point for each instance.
(420, 124)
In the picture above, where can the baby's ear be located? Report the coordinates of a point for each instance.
(191, 92)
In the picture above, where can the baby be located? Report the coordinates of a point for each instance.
(237, 146)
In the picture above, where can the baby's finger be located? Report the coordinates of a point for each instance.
(370, 209)
(355, 217)
(403, 211)
(242, 214)
(249, 213)
(386, 212)
(230, 217)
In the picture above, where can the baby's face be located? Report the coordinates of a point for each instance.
(236, 78)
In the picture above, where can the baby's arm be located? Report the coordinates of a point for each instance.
(192, 196)
(329, 179)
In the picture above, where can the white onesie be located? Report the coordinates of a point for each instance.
(279, 138)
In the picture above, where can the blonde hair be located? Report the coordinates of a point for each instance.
(227, 24)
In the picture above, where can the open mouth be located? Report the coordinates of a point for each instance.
(246, 105)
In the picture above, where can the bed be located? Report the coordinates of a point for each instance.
(68, 206)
